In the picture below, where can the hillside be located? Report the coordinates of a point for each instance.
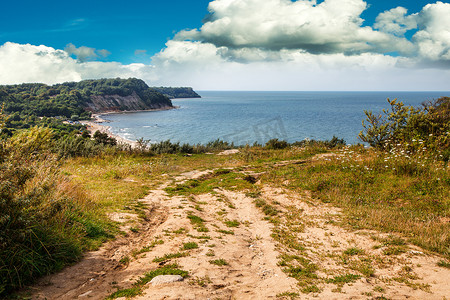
(33, 104)
(177, 92)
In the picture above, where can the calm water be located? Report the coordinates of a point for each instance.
(248, 117)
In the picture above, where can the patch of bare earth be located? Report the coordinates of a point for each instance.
(258, 249)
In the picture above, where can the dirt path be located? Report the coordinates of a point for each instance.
(256, 241)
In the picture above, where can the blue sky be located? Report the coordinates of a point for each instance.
(120, 27)
(164, 43)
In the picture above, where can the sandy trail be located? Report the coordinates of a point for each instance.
(252, 254)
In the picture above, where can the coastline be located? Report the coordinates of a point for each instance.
(114, 112)
(97, 123)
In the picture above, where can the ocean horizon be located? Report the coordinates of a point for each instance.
(246, 117)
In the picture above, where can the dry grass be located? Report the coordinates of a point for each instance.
(390, 193)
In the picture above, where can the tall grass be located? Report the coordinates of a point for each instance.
(46, 222)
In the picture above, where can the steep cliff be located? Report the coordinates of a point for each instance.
(105, 95)
(104, 103)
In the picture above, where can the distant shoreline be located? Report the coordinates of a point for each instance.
(97, 123)
(115, 112)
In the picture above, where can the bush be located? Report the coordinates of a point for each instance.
(73, 146)
(330, 144)
(103, 138)
(413, 129)
(165, 147)
(276, 144)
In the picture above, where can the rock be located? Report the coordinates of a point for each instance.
(162, 279)
(229, 152)
(85, 294)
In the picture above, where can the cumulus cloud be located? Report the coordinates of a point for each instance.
(433, 37)
(432, 40)
(333, 26)
(84, 53)
(29, 63)
(396, 21)
(254, 30)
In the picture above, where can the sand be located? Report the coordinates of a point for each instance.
(98, 124)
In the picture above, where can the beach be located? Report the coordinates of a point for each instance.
(97, 125)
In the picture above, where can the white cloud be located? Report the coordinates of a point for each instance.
(333, 26)
(396, 21)
(29, 63)
(433, 37)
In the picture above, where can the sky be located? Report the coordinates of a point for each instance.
(231, 44)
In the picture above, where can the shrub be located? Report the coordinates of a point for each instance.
(276, 144)
(103, 138)
(414, 129)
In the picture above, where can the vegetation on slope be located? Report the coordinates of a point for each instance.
(38, 104)
(177, 92)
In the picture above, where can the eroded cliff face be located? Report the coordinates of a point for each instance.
(109, 103)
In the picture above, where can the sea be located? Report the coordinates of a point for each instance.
(249, 117)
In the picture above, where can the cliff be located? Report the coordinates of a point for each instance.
(107, 103)
(131, 94)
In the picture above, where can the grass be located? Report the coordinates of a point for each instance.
(208, 183)
(138, 286)
(289, 295)
(198, 223)
(189, 246)
(170, 256)
(267, 209)
(219, 262)
(226, 231)
(201, 281)
(47, 221)
(394, 250)
(353, 251)
(233, 223)
(443, 264)
(199, 237)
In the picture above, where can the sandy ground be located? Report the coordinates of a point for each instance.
(253, 255)
(99, 124)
